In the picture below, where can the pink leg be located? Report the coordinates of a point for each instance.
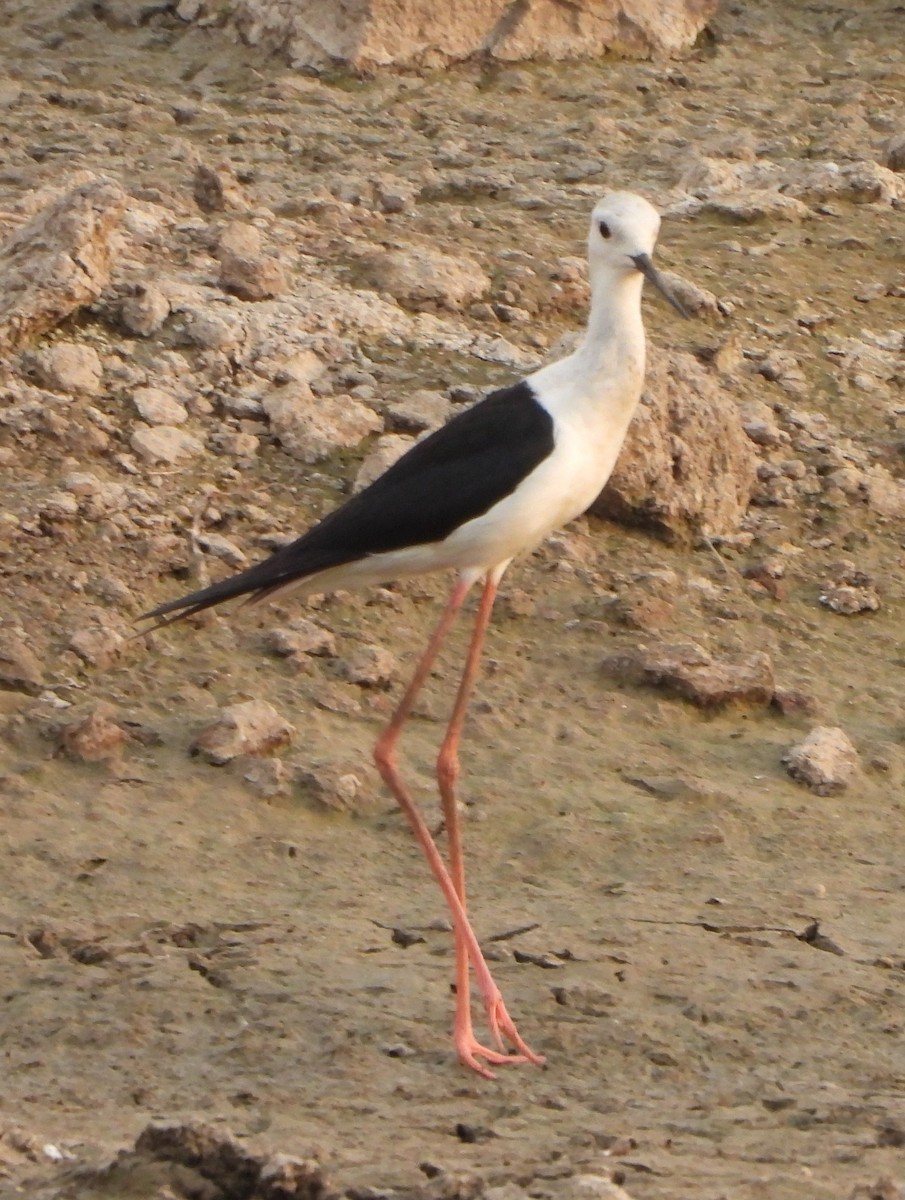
(467, 946)
(447, 776)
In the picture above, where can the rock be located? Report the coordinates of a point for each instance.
(98, 645)
(847, 600)
(826, 761)
(419, 412)
(590, 1187)
(20, 668)
(252, 727)
(689, 671)
(301, 637)
(144, 309)
(687, 467)
(95, 737)
(370, 33)
(158, 407)
(267, 777)
(58, 261)
(369, 666)
(387, 450)
(424, 279)
(894, 153)
(245, 270)
(216, 189)
(343, 793)
(164, 444)
(69, 367)
(220, 547)
(311, 428)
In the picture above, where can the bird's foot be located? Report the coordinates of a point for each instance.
(502, 1026)
(470, 1050)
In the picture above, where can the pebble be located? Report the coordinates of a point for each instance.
(826, 761)
(95, 737)
(311, 428)
(369, 666)
(158, 407)
(70, 367)
(20, 668)
(164, 444)
(251, 727)
(301, 637)
(689, 671)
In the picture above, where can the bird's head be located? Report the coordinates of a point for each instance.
(622, 238)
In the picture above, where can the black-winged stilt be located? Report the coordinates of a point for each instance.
(493, 482)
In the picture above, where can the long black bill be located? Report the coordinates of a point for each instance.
(649, 271)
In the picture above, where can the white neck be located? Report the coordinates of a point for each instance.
(614, 339)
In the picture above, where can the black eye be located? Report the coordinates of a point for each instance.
(605, 230)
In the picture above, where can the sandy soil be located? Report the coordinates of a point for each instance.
(174, 946)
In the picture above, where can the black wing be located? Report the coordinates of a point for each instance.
(454, 475)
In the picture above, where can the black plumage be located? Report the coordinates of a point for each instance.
(453, 475)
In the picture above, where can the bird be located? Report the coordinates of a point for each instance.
(469, 497)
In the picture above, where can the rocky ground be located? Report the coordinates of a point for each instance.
(229, 292)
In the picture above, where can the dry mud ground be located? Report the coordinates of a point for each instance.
(176, 946)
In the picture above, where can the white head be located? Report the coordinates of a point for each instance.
(621, 240)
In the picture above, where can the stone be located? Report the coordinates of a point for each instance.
(252, 727)
(845, 599)
(98, 645)
(94, 738)
(70, 367)
(424, 279)
(164, 444)
(58, 262)
(216, 189)
(245, 270)
(894, 152)
(301, 636)
(826, 761)
(687, 670)
(687, 467)
(158, 407)
(143, 309)
(380, 457)
(364, 34)
(311, 428)
(369, 666)
(343, 793)
(20, 668)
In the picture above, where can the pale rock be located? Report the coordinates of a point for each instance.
(20, 668)
(369, 666)
(589, 1187)
(687, 467)
(144, 309)
(253, 727)
(245, 270)
(423, 410)
(424, 279)
(71, 368)
(59, 506)
(364, 34)
(689, 671)
(759, 423)
(696, 299)
(826, 761)
(95, 737)
(342, 793)
(98, 645)
(847, 599)
(301, 636)
(158, 407)
(387, 450)
(220, 547)
(894, 152)
(217, 189)
(58, 261)
(311, 428)
(164, 444)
